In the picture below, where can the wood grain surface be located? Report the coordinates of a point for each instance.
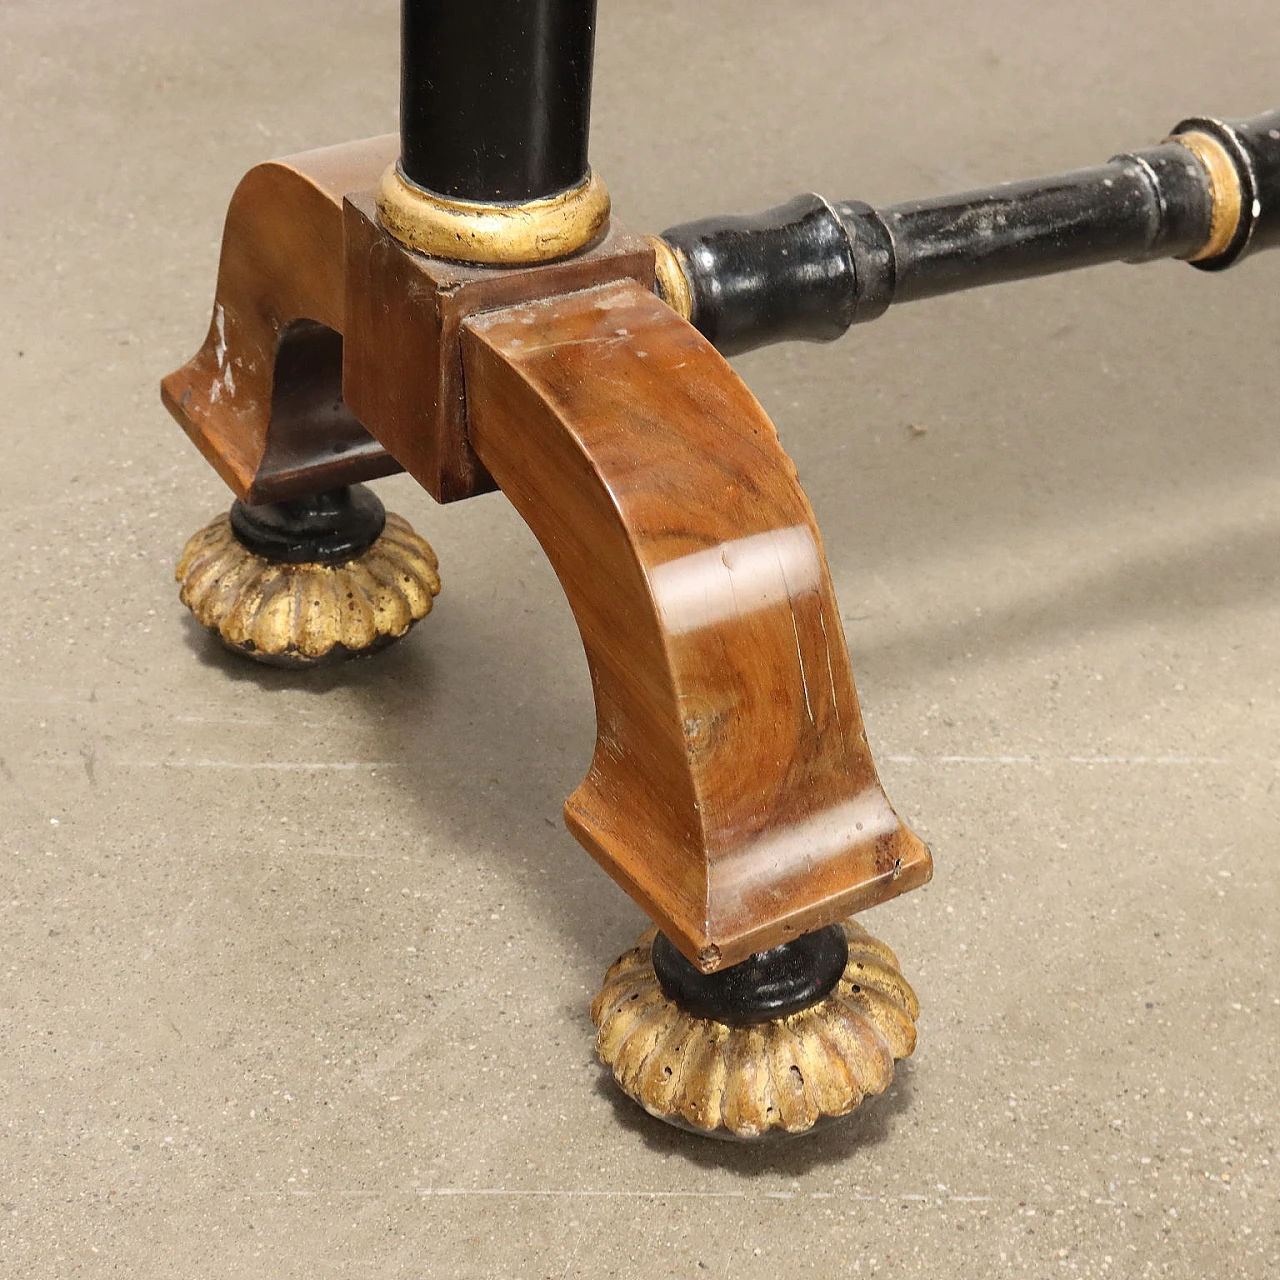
(731, 791)
(262, 398)
(402, 363)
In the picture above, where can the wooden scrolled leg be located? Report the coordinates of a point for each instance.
(731, 791)
(262, 398)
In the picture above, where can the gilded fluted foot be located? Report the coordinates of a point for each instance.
(300, 615)
(747, 1082)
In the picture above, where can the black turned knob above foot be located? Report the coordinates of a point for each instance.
(770, 984)
(333, 527)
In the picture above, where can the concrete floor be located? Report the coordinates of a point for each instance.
(296, 968)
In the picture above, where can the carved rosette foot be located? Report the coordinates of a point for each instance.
(763, 1078)
(302, 584)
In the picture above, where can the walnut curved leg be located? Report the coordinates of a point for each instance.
(262, 398)
(731, 791)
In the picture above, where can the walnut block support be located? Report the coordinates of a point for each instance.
(731, 791)
(402, 357)
(262, 398)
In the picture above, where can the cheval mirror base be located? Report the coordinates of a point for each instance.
(460, 303)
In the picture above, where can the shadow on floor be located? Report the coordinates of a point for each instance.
(1215, 574)
(467, 783)
(789, 1155)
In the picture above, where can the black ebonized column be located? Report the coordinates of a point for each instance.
(810, 268)
(495, 96)
(1137, 207)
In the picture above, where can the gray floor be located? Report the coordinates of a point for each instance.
(296, 970)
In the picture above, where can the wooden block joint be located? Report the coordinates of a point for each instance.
(402, 357)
